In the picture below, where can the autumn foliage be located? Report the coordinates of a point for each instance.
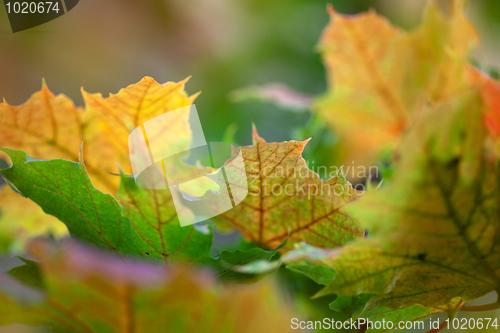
(426, 241)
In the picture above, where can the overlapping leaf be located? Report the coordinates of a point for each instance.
(309, 261)
(46, 126)
(490, 90)
(22, 219)
(436, 226)
(88, 291)
(155, 220)
(147, 225)
(112, 119)
(49, 126)
(380, 76)
(63, 189)
(397, 317)
(288, 200)
(491, 96)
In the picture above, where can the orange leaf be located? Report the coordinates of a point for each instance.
(491, 97)
(46, 126)
(287, 200)
(380, 76)
(490, 89)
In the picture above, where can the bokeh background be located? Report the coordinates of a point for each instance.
(225, 45)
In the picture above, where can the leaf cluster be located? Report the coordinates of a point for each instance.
(426, 241)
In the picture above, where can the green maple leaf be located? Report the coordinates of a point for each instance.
(435, 228)
(63, 189)
(318, 273)
(396, 316)
(154, 217)
(28, 274)
(146, 225)
(350, 305)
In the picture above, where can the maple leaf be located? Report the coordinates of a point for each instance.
(350, 305)
(63, 189)
(147, 225)
(154, 217)
(46, 126)
(415, 313)
(28, 274)
(436, 226)
(288, 201)
(318, 273)
(49, 126)
(85, 290)
(155, 220)
(490, 90)
(23, 219)
(112, 119)
(380, 76)
(491, 96)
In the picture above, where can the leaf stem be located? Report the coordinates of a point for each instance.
(486, 307)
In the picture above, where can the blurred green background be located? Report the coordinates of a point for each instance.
(225, 45)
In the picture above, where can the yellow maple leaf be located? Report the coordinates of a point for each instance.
(380, 76)
(22, 219)
(110, 120)
(49, 126)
